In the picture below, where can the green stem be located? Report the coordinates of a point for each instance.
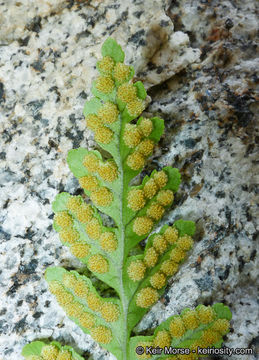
(123, 297)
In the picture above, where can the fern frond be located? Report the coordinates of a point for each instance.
(112, 254)
(202, 327)
(38, 350)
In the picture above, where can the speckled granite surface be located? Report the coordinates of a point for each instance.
(47, 56)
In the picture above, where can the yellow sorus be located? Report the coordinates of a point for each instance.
(69, 280)
(146, 127)
(97, 263)
(206, 314)
(104, 135)
(64, 355)
(176, 327)
(108, 241)
(91, 162)
(102, 197)
(110, 312)
(69, 235)
(142, 225)
(190, 320)
(87, 320)
(155, 211)
(135, 161)
(161, 179)
(102, 334)
(171, 235)
(144, 345)
(151, 257)
(121, 72)
(65, 298)
(49, 352)
(93, 229)
(136, 200)
(89, 182)
(80, 250)
(158, 280)
(93, 122)
(105, 84)
(169, 267)
(106, 65)
(108, 171)
(146, 147)
(150, 188)
(73, 203)
(63, 219)
(162, 339)
(136, 270)
(177, 255)
(81, 289)
(221, 326)
(131, 136)
(160, 243)
(74, 309)
(94, 302)
(185, 242)
(55, 287)
(165, 197)
(136, 107)
(146, 297)
(84, 213)
(127, 92)
(210, 337)
(108, 113)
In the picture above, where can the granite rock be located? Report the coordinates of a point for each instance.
(198, 61)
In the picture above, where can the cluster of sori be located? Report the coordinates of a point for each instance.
(158, 197)
(135, 136)
(106, 171)
(113, 85)
(114, 78)
(52, 352)
(80, 301)
(107, 115)
(77, 223)
(173, 249)
(206, 328)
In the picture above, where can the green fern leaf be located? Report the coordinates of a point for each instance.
(38, 350)
(112, 253)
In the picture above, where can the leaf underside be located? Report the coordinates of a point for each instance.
(104, 228)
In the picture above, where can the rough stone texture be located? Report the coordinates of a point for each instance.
(47, 59)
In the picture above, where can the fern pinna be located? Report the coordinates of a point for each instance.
(113, 253)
